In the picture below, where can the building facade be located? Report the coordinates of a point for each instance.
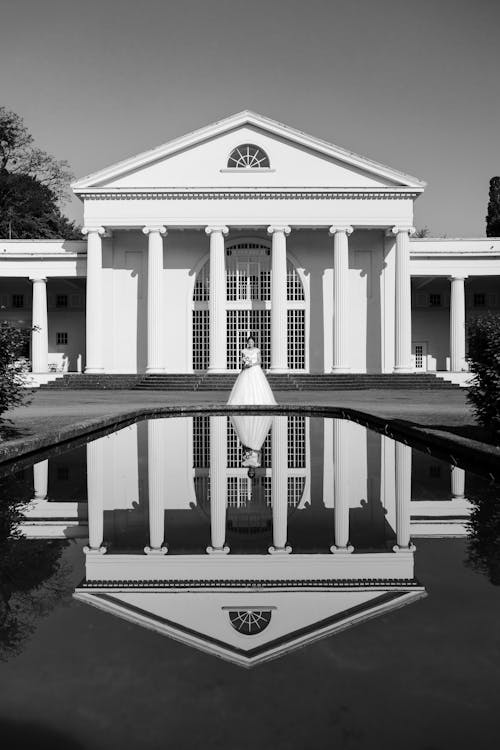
(248, 226)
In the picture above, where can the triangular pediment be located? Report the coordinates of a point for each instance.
(200, 159)
(292, 618)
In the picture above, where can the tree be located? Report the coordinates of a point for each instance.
(32, 186)
(483, 548)
(484, 361)
(422, 232)
(493, 215)
(13, 366)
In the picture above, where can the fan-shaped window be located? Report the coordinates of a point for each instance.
(250, 621)
(248, 156)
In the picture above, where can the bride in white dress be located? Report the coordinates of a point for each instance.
(251, 386)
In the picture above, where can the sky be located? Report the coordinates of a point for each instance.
(414, 85)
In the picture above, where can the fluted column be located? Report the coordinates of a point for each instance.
(41, 479)
(279, 334)
(217, 299)
(457, 324)
(40, 334)
(279, 486)
(157, 454)
(402, 344)
(155, 355)
(341, 487)
(340, 297)
(403, 498)
(94, 307)
(95, 496)
(218, 485)
(457, 483)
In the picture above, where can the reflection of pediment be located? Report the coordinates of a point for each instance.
(290, 618)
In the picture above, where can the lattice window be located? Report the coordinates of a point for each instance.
(294, 288)
(435, 300)
(202, 285)
(201, 442)
(479, 299)
(61, 300)
(419, 356)
(248, 156)
(296, 332)
(296, 436)
(201, 339)
(267, 485)
(295, 490)
(61, 338)
(18, 300)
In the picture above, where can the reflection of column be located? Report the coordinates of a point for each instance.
(457, 324)
(457, 483)
(402, 350)
(403, 498)
(340, 297)
(156, 488)
(218, 487)
(279, 354)
(41, 479)
(328, 463)
(155, 361)
(95, 496)
(93, 314)
(39, 336)
(217, 299)
(279, 485)
(341, 487)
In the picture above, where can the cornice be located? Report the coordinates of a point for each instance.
(256, 194)
(229, 583)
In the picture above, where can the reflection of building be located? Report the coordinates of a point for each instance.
(159, 499)
(248, 225)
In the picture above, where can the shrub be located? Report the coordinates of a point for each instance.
(13, 367)
(484, 362)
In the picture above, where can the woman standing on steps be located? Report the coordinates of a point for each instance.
(251, 386)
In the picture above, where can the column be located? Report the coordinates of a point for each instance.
(41, 479)
(94, 308)
(156, 488)
(457, 483)
(457, 324)
(341, 487)
(402, 346)
(403, 498)
(95, 497)
(279, 333)
(155, 361)
(279, 486)
(40, 334)
(217, 299)
(340, 297)
(218, 485)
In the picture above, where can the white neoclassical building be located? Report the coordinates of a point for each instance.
(248, 226)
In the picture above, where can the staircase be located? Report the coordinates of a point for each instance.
(225, 381)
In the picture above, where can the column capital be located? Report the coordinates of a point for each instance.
(346, 228)
(458, 276)
(38, 278)
(89, 230)
(279, 228)
(150, 229)
(217, 228)
(400, 228)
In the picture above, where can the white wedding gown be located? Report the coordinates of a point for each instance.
(251, 387)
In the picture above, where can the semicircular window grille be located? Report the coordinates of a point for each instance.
(250, 621)
(248, 156)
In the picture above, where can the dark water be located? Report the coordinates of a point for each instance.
(392, 637)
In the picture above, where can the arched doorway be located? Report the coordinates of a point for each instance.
(248, 306)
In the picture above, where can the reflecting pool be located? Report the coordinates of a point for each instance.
(249, 537)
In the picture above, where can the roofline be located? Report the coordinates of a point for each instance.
(247, 117)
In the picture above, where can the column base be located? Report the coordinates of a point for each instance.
(94, 550)
(280, 550)
(278, 370)
(341, 550)
(217, 550)
(218, 371)
(410, 548)
(341, 370)
(156, 550)
(403, 370)
(94, 370)
(155, 370)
